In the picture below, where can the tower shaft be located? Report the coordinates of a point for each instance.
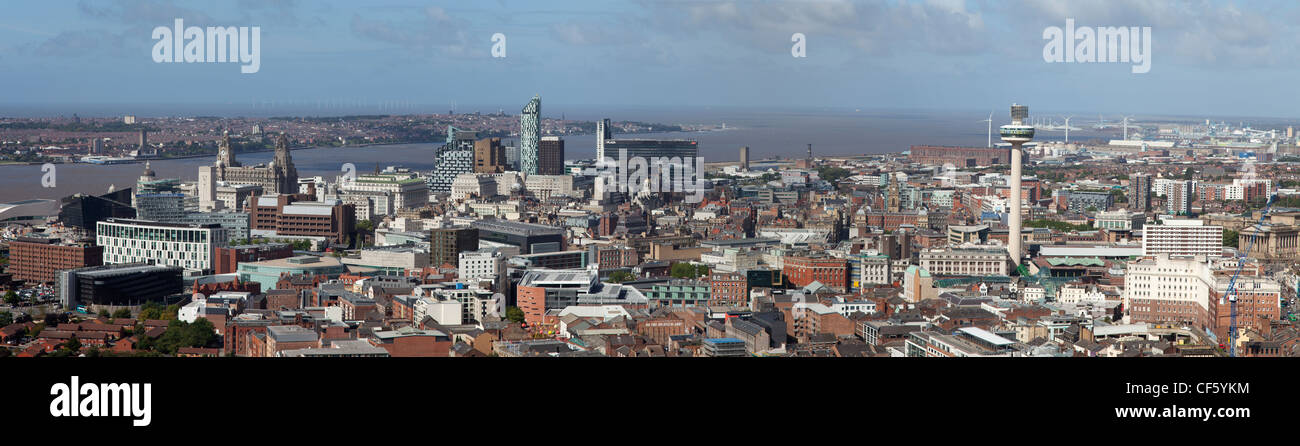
(1014, 235)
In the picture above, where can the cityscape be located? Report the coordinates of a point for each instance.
(1172, 239)
(426, 229)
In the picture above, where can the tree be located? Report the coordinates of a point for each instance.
(55, 318)
(180, 334)
(73, 345)
(688, 271)
(103, 312)
(832, 174)
(682, 271)
(124, 313)
(620, 276)
(1119, 196)
(514, 314)
(11, 298)
(6, 318)
(155, 311)
(1230, 238)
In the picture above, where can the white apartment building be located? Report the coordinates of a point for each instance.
(189, 246)
(1237, 191)
(485, 265)
(475, 303)
(873, 270)
(966, 261)
(444, 311)
(1182, 237)
(1079, 294)
(1169, 289)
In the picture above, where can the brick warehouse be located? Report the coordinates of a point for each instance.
(960, 156)
(832, 272)
(37, 259)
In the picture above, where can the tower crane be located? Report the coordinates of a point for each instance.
(1232, 284)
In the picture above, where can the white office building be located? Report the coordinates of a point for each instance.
(408, 191)
(1182, 237)
(190, 246)
(486, 265)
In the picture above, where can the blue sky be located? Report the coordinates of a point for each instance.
(1209, 57)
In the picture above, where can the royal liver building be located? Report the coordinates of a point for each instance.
(278, 177)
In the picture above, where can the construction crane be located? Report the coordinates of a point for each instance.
(1232, 284)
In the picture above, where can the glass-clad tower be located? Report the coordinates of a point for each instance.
(530, 135)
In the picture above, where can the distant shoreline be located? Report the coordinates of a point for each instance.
(181, 157)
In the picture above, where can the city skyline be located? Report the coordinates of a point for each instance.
(953, 55)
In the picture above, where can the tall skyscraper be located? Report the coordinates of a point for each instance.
(1139, 193)
(603, 132)
(744, 158)
(530, 135)
(550, 156)
(1016, 133)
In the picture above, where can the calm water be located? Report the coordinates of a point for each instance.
(768, 134)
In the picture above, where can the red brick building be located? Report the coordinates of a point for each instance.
(35, 260)
(279, 338)
(728, 289)
(832, 272)
(283, 299)
(658, 330)
(229, 258)
(412, 342)
(208, 289)
(532, 300)
(960, 156)
(610, 257)
(295, 215)
(890, 221)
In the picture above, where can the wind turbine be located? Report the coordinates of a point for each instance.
(990, 121)
(1067, 128)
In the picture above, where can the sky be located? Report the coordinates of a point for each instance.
(1213, 58)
